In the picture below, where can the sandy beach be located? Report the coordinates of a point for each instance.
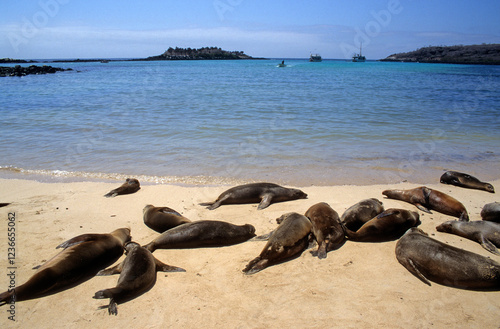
(360, 285)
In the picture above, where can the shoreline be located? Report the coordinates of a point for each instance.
(351, 285)
(339, 177)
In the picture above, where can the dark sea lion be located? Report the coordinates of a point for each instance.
(82, 257)
(491, 212)
(487, 234)
(432, 260)
(4, 204)
(162, 219)
(262, 193)
(426, 199)
(137, 276)
(465, 180)
(203, 233)
(326, 228)
(288, 240)
(131, 185)
(387, 226)
(360, 213)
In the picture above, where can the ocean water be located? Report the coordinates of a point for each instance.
(333, 122)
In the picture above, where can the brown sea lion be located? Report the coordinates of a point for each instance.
(491, 212)
(487, 234)
(288, 240)
(162, 219)
(426, 199)
(432, 260)
(387, 226)
(82, 257)
(360, 213)
(262, 193)
(203, 233)
(137, 276)
(131, 185)
(464, 180)
(326, 228)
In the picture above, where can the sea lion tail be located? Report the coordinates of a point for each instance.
(7, 297)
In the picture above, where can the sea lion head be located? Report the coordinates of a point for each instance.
(250, 228)
(146, 208)
(446, 227)
(122, 234)
(129, 246)
(488, 187)
(298, 194)
(132, 181)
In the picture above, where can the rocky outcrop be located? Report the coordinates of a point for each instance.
(474, 54)
(197, 54)
(19, 71)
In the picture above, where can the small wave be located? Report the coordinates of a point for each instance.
(44, 174)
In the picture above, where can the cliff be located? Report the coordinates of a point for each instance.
(197, 54)
(474, 54)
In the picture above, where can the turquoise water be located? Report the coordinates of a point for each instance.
(333, 122)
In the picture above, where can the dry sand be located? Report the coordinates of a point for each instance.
(361, 285)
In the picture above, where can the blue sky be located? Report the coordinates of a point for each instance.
(276, 29)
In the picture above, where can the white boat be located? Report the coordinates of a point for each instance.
(315, 58)
(359, 57)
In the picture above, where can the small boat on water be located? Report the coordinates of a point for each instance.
(315, 58)
(359, 57)
(282, 64)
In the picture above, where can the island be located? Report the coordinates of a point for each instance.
(211, 53)
(472, 54)
(16, 61)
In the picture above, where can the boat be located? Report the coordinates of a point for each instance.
(359, 57)
(104, 61)
(315, 58)
(282, 64)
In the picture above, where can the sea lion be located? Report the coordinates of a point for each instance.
(326, 228)
(464, 180)
(360, 213)
(387, 226)
(83, 256)
(162, 219)
(432, 260)
(288, 240)
(4, 204)
(487, 234)
(137, 276)
(491, 212)
(203, 233)
(262, 193)
(426, 199)
(131, 185)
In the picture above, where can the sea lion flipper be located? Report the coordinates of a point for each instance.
(112, 270)
(167, 210)
(464, 217)
(77, 240)
(488, 245)
(414, 270)
(266, 201)
(419, 206)
(263, 237)
(162, 267)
